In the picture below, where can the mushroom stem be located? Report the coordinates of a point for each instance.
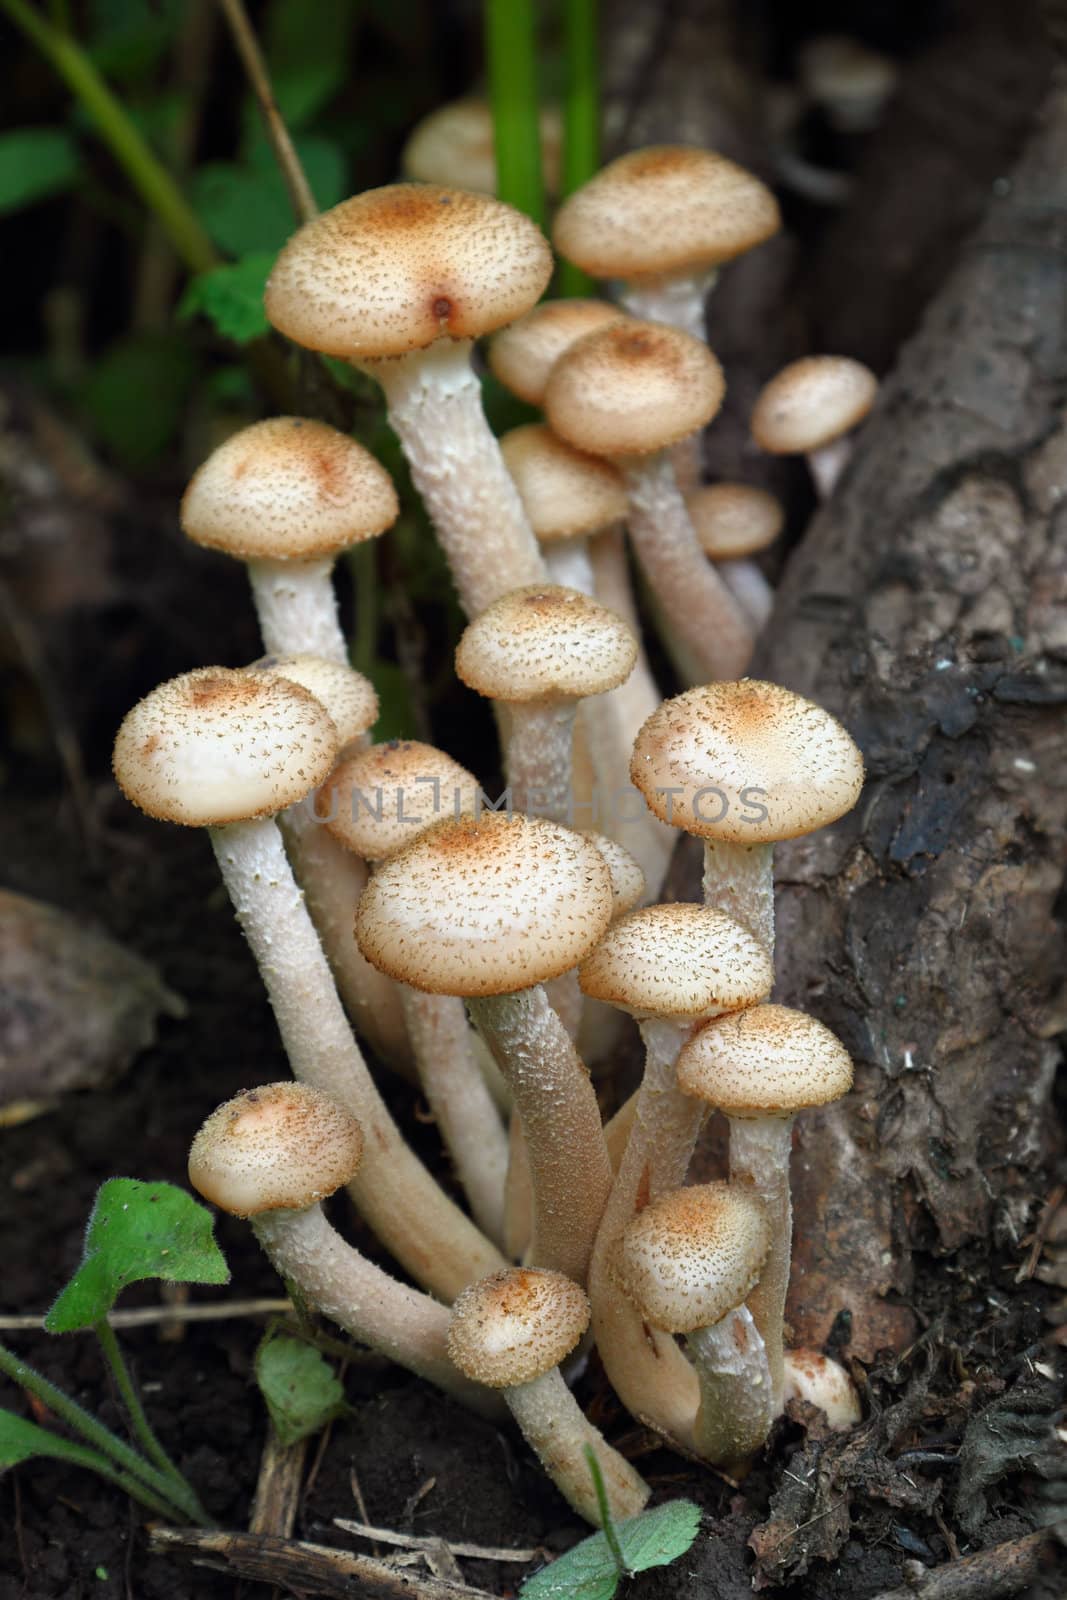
(297, 608)
(399, 1322)
(470, 1125)
(739, 879)
(435, 407)
(749, 588)
(759, 1156)
(680, 299)
(553, 1426)
(539, 765)
(567, 561)
(554, 1098)
(411, 1215)
(702, 614)
(736, 1409)
(827, 463)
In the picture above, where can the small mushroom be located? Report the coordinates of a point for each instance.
(814, 1378)
(809, 407)
(522, 355)
(733, 521)
(454, 145)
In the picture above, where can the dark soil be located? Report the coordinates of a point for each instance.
(421, 1464)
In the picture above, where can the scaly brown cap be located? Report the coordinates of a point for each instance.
(769, 1061)
(691, 1256)
(545, 642)
(522, 355)
(632, 388)
(217, 746)
(393, 269)
(747, 762)
(350, 699)
(565, 494)
(627, 879)
(811, 403)
(733, 520)
(485, 907)
(683, 962)
(377, 802)
(288, 489)
(281, 1147)
(669, 208)
(516, 1326)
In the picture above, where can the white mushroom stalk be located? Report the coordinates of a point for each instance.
(688, 1260)
(808, 409)
(489, 909)
(511, 1332)
(760, 1068)
(742, 765)
(271, 1154)
(399, 281)
(287, 496)
(225, 750)
(733, 521)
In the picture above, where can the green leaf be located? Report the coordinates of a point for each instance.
(127, 38)
(245, 208)
(231, 297)
(136, 394)
(21, 1440)
(299, 1386)
(35, 163)
(588, 1572)
(308, 64)
(137, 1231)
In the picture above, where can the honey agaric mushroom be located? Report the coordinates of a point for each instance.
(226, 750)
(511, 1332)
(688, 1261)
(374, 804)
(809, 407)
(332, 879)
(272, 1154)
(567, 496)
(287, 496)
(817, 1381)
(454, 145)
(672, 967)
(629, 391)
(742, 765)
(399, 281)
(760, 1067)
(490, 909)
(522, 355)
(733, 521)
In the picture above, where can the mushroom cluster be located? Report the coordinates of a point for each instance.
(487, 950)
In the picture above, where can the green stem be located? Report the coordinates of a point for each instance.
(607, 1525)
(146, 173)
(581, 116)
(80, 1455)
(182, 1492)
(511, 57)
(83, 1422)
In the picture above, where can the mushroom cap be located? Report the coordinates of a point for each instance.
(627, 879)
(516, 1325)
(670, 208)
(378, 801)
(288, 489)
(733, 520)
(283, 1146)
(218, 745)
(814, 1378)
(485, 906)
(454, 145)
(545, 642)
(768, 1061)
(692, 1255)
(350, 699)
(522, 355)
(394, 269)
(683, 962)
(747, 762)
(812, 402)
(632, 388)
(565, 493)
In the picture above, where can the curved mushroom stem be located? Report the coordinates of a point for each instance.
(739, 879)
(539, 742)
(399, 1322)
(297, 608)
(409, 1212)
(452, 1082)
(749, 588)
(706, 623)
(736, 1410)
(435, 407)
(759, 1156)
(569, 1168)
(553, 1426)
(679, 299)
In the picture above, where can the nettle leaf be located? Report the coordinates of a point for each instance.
(35, 163)
(308, 65)
(245, 207)
(231, 297)
(137, 1231)
(127, 38)
(299, 1385)
(589, 1571)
